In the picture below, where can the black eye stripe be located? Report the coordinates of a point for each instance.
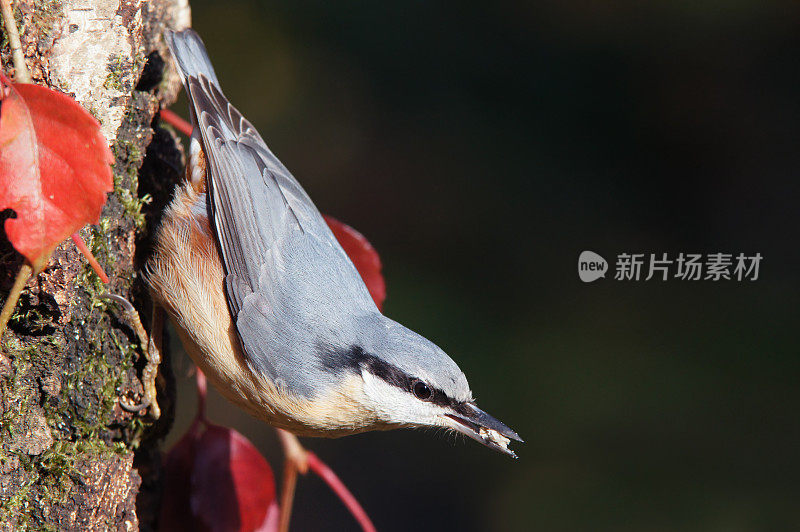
(355, 358)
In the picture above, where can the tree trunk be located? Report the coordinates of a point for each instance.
(71, 458)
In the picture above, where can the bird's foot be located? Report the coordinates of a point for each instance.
(152, 351)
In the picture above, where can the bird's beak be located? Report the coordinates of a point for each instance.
(480, 426)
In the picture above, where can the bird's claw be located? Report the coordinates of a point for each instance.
(151, 352)
(135, 409)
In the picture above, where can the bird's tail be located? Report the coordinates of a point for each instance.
(192, 62)
(190, 55)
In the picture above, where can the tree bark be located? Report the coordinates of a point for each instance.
(71, 458)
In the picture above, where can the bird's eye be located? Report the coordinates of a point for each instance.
(422, 391)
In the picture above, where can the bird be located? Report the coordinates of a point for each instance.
(269, 306)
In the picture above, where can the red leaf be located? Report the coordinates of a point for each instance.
(175, 507)
(364, 257)
(232, 484)
(217, 480)
(54, 168)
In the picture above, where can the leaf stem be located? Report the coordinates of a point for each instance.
(299, 460)
(24, 273)
(21, 75)
(295, 462)
(202, 391)
(176, 121)
(287, 494)
(81, 245)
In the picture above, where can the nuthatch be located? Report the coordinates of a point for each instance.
(268, 304)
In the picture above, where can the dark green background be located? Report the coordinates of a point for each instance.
(481, 148)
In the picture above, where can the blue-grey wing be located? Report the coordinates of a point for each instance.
(255, 201)
(283, 265)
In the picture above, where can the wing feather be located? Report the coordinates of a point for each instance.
(254, 199)
(283, 265)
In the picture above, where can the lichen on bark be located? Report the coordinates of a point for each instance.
(70, 456)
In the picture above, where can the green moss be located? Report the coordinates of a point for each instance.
(127, 151)
(79, 416)
(123, 72)
(129, 157)
(97, 371)
(44, 16)
(17, 392)
(51, 479)
(14, 510)
(15, 402)
(94, 415)
(34, 317)
(133, 205)
(120, 74)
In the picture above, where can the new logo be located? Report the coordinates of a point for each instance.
(591, 266)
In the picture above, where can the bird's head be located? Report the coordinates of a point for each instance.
(410, 382)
